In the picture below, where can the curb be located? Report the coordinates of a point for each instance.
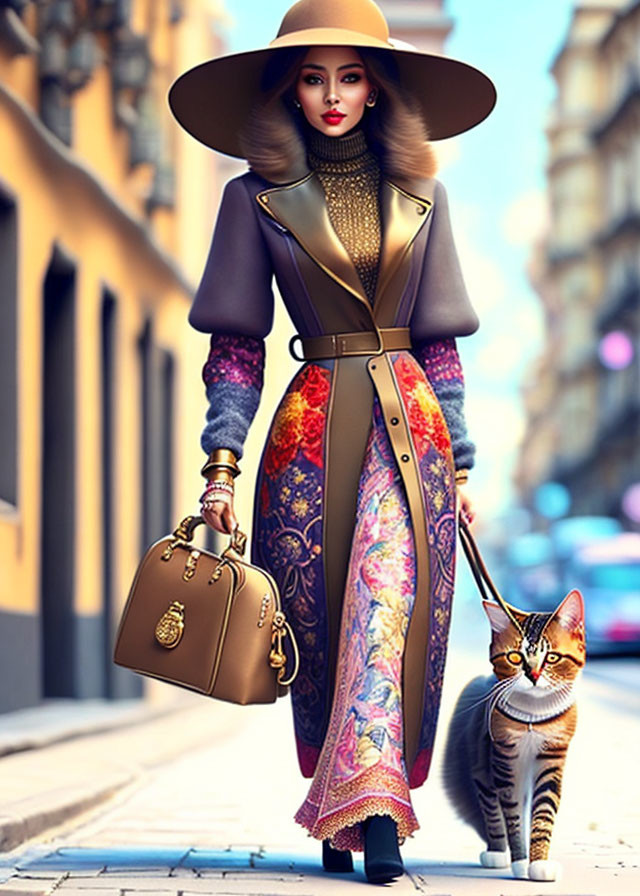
(16, 830)
(43, 788)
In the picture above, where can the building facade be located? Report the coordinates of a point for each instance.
(616, 458)
(581, 401)
(105, 219)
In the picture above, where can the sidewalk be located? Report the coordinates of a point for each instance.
(74, 771)
(58, 720)
(215, 816)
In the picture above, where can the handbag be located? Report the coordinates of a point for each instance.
(213, 624)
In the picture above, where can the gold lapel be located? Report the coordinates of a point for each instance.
(301, 207)
(402, 216)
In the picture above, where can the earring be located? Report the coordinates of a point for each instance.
(297, 104)
(371, 99)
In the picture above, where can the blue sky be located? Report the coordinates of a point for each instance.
(494, 175)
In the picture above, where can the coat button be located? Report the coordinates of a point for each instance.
(394, 421)
(404, 458)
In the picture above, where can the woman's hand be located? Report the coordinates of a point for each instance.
(465, 507)
(220, 516)
(217, 509)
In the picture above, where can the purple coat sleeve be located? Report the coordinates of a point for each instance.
(235, 295)
(234, 302)
(442, 308)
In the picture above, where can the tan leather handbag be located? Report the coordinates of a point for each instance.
(208, 623)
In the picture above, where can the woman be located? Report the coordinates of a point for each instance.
(356, 493)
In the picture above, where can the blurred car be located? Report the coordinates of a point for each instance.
(537, 572)
(607, 572)
(530, 579)
(574, 532)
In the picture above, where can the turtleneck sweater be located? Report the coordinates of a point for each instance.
(350, 177)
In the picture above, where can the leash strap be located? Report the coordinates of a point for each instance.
(481, 573)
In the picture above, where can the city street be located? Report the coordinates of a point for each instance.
(218, 819)
(242, 235)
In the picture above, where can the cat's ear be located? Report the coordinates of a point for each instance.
(499, 620)
(570, 613)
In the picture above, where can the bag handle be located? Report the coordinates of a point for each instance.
(480, 571)
(187, 527)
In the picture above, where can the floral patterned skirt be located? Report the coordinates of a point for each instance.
(361, 769)
(356, 759)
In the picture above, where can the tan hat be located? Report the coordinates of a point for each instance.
(213, 100)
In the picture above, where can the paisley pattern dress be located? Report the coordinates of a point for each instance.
(360, 769)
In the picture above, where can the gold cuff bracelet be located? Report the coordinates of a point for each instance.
(220, 460)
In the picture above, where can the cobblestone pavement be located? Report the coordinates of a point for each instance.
(218, 820)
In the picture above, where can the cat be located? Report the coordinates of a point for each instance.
(509, 733)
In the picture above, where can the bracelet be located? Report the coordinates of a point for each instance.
(220, 483)
(220, 474)
(213, 497)
(462, 477)
(217, 469)
(221, 459)
(217, 486)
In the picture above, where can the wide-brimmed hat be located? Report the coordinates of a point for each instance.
(214, 100)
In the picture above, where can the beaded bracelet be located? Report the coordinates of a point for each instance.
(215, 497)
(220, 484)
(217, 485)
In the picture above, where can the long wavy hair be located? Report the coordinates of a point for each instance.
(273, 143)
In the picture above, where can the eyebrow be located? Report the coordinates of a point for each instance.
(323, 68)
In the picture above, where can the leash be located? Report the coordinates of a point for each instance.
(481, 573)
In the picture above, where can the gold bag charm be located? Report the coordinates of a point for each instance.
(277, 656)
(171, 625)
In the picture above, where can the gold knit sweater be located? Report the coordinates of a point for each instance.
(350, 177)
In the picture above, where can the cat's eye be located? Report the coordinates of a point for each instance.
(514, 657)
(552, 657)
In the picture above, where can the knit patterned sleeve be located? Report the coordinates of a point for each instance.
(440, 361)
(233, 375)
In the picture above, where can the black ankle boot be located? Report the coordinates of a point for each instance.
(382, 859)
(337, 860)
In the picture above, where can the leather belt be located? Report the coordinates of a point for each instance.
(342, 345)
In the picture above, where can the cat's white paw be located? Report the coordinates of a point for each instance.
(520, 869)
(492, 858)
(543, 869)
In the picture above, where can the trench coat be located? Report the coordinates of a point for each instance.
(308, 478)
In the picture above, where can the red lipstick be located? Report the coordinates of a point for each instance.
(332, 116)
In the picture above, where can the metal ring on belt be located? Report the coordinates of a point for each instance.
(344, 345)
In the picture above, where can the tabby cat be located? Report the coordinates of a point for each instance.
(509, 734)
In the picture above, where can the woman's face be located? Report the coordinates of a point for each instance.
(333, 88)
